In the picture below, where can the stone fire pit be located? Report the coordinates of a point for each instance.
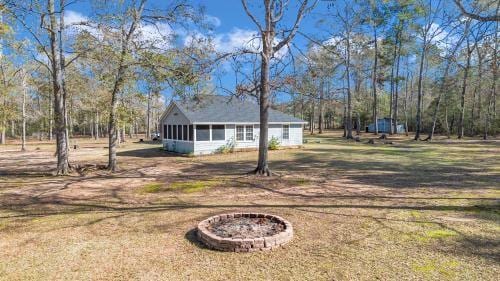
(244, 232)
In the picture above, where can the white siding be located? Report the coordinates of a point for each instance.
(176, 117)
(276, 130)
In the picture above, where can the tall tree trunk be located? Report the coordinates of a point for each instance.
(62, 71)
(51, 118)
(23, 108)
(391, 101)
(462, 96)
(358, 123)
(2, 133)
(374, 83)
(148, 117)
(13, 128)
(262, 166)
(418, 121)
(349, 97)
(320, 109)
(396, 90)
(96, 124)
(442, 89)
(405, 104)
(59, 105)
(479, 88)
(313, 116)
(491, 103)
(344, 120)
(117, 87)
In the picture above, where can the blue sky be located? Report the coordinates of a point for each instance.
(232, 26)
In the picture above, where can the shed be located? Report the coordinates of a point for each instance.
(205, 125)
(384, 126)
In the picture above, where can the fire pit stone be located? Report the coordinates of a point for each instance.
(244, 232)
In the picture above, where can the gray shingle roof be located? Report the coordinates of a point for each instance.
(223, 109)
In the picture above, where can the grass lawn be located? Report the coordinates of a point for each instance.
(407, 211)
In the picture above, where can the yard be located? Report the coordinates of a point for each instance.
(406, 211)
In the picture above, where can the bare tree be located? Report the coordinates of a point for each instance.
(475, 16)
(273, 14)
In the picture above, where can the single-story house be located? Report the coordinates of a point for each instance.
(384, 126)
(204, 125)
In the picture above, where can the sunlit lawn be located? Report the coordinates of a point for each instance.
(422, 211)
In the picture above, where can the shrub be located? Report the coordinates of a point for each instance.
(227, 148)
(274, 143)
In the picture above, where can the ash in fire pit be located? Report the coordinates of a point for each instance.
(243, 227)
(244, 232)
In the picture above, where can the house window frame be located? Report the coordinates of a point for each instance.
(245, 126)
(246, 133)
(283, 132)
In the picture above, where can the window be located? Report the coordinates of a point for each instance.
(218, 132)
(169, 132)
(174, 132)
(249, 132)
(165, 130)
(202, 132)
(185, 132)
(286, 132)
(240, 133)
(191, 133)
(179, 132)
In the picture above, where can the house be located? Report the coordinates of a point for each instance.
(205, 125)
(384, 126)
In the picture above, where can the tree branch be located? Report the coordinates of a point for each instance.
(475, 16)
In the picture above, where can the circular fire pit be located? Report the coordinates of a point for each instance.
(244, 232)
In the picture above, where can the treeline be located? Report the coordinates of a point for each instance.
(420, 63)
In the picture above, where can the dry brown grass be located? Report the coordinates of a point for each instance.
(408, 211)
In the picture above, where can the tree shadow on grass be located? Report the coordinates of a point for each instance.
(148, 153)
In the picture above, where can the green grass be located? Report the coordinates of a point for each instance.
(194, 186)
(436, 234)
(152, 187)
(432, 267)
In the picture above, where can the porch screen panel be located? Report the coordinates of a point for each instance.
(218, 132)
(202, 132)
(174, 132)
(185, 132)
(179, 132)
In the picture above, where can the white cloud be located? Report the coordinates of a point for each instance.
(72, 17)
(235, 40)
(158, 35)
(213, 20)
(75, 22)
